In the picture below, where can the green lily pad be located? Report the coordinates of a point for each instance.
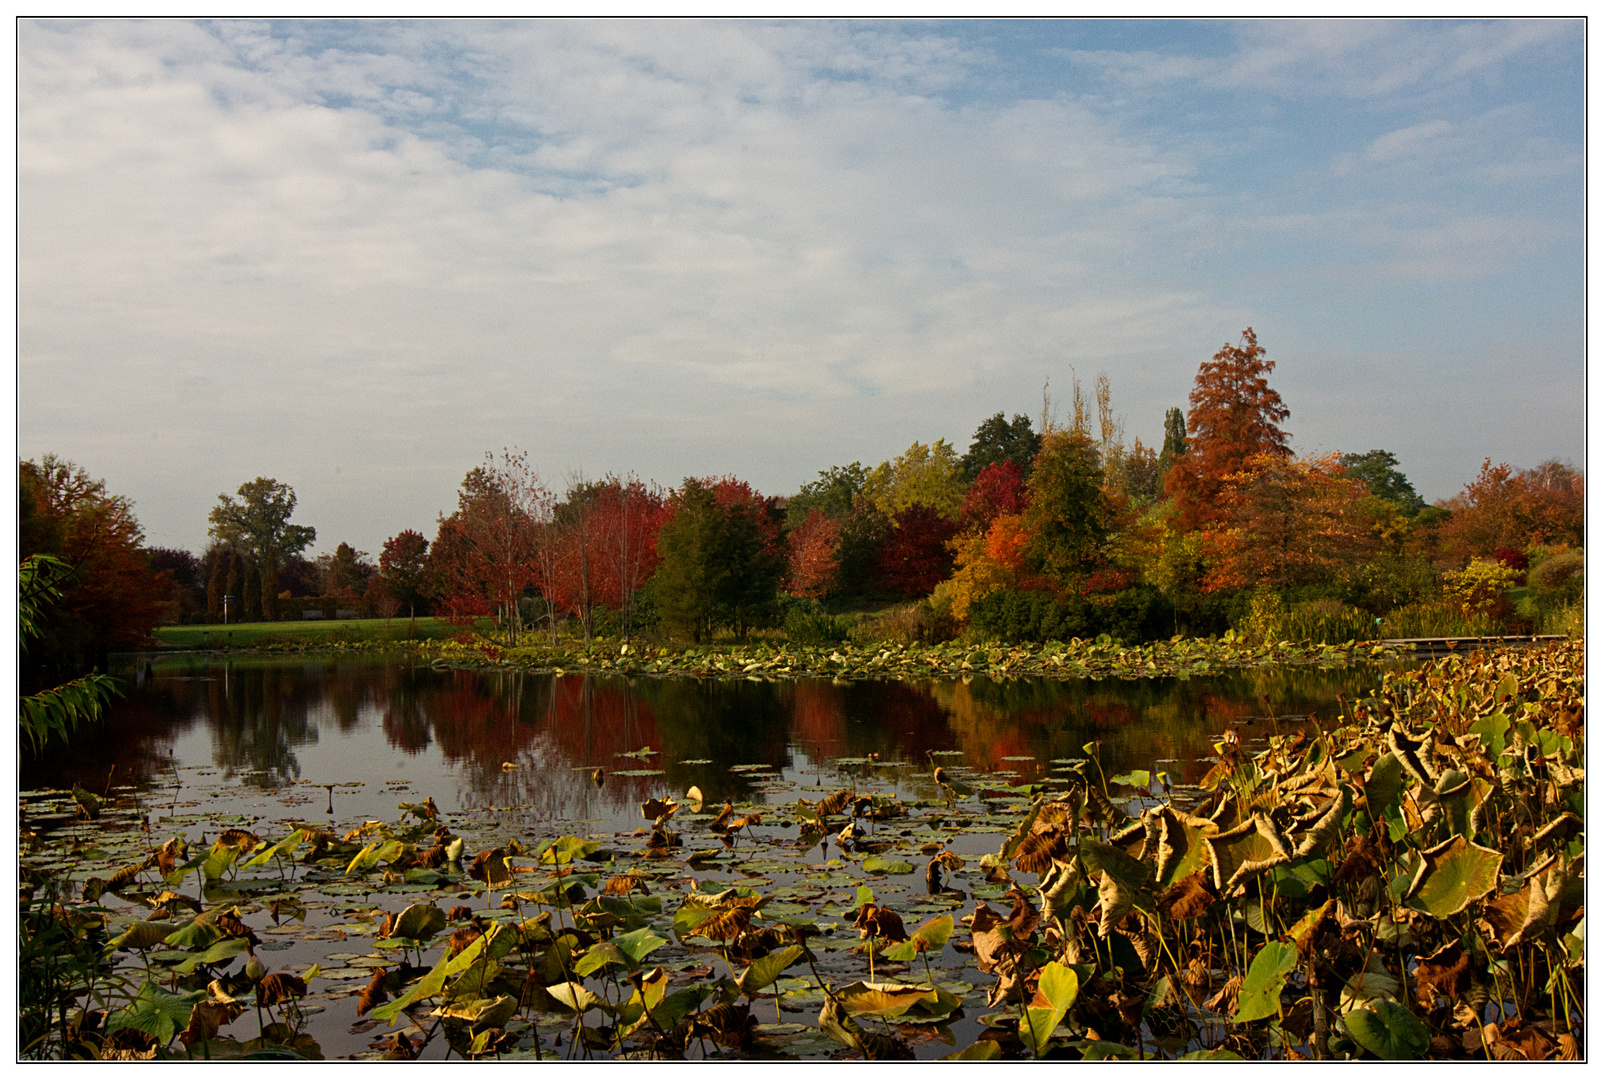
(1453, 874)
(1260, 995)
(1388, 1030)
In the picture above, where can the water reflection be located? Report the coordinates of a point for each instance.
(529, 743)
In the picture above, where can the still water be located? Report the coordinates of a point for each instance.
(352, 732)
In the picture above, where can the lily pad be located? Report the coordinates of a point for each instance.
(1388, 1030)
(1453, 874)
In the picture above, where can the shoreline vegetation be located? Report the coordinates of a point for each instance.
(777, 658)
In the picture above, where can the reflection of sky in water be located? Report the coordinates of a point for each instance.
(278, 729)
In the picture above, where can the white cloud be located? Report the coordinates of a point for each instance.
(671, 247)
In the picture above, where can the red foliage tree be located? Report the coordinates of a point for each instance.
(999, 489)
(114, 598)
(915, 558)
(485, 553)
(1235, 416)
(815, 555)
(404, 570)
(625, 517)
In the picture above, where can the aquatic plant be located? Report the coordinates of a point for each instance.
(1406, 884)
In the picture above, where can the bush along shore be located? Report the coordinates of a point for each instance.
(1079, 658)
(1408, 884)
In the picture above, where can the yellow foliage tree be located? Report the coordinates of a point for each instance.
(986, 562)
(929, 474)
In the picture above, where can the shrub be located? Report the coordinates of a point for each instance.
(1137, 615)
(810, 624)
(1481, 588)
(1022, 615)
(1133, 616)
(1562, 573)
(1391, 580)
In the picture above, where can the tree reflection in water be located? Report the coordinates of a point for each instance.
(514, 740)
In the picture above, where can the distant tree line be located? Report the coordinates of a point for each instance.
(1051, 528)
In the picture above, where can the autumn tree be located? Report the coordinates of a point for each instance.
(997, 440)
(915, 558)
(986, 561)
(625, 516)
(485, 553)
(1235, 416)
(184, 583)
(111, 597)
(258, 526)
(815, 555)
(1286, 522)
(999, 489)
(927, 474)
(404, 570)
(1505, 509)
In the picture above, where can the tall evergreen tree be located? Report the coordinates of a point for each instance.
(1378, 471)
(1174, 440)
(722, 558)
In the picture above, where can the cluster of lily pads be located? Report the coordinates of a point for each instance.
(1407, 884)
(1077, 658)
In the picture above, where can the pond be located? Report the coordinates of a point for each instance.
(272, 744)
(273, 728)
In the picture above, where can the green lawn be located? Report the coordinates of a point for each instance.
(246, 635)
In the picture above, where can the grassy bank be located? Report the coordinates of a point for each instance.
(310, 634)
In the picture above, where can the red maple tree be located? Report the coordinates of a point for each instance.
(815, 555)
(999, 489)
(915, 558)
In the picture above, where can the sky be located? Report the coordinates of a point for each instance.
(356, 256)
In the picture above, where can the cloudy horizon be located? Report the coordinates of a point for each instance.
(355, 256)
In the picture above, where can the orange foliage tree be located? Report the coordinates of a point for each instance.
(986, 561)
(815, 555)
(1235, 416)
(1286, 522)
(1505, 509)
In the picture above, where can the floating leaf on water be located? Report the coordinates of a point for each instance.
(876, 864)
(143, 935)
(764, 970)
(1388, 1030)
